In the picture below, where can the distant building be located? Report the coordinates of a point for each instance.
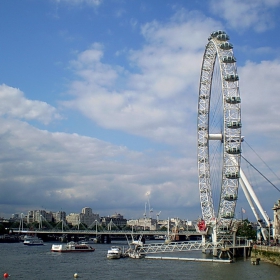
(115, 220)
(19, 218)
(38, 216)
(86, 217)
(16, 217)
(59, 216)
(276, 226)
(73, 219)
(143, 224)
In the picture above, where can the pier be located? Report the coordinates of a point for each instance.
(188, 259)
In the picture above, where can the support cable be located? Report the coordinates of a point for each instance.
(262, 160)
(261, 174)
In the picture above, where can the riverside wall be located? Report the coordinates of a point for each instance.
(269, 254)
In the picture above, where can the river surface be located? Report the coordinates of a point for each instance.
(39, 263)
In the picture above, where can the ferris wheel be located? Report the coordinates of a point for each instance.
(219, 131)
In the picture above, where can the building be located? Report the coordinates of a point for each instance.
(38, 216)
(59, 216)
(73, 219)
(276, 218)
(143, 224)
(86, 217)
(115, 220)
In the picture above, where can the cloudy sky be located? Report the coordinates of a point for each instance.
(98, 102)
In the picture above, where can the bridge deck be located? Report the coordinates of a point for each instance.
(103, 232)
(187, 246)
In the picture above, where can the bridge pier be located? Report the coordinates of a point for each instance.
(203, 242)
(105, 238)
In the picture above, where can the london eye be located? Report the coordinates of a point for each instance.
(219, 131)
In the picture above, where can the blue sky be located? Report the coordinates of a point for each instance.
(98, 102)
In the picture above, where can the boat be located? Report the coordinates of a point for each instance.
(135, 248)
(89, 241)
(160, 237)
(136, 255)
(32, 241)
(114, 253)
(72, 247)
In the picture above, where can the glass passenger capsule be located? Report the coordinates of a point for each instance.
(226, 46)
(232, 175)
(234, 150)
(233, 99)
(216, 33)
(231, 77)
(229, 59)
(230, 197)
(234, 124)
(223, 37)
(228, 215)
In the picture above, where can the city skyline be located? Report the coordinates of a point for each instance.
(98, 102)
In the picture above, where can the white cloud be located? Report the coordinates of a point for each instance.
(259, 85)
(242, 15)
(78, 2)
(14, 104)
(54, 169)
(260, 99)
(159, 96)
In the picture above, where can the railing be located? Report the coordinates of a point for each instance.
(186, 246)
(275, 249)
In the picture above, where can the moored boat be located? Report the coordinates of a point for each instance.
(135, 248)
(114, 253)
(136, 255)
(72, 247)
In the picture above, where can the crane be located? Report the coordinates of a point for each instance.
(158, 216)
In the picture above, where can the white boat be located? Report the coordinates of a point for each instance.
(114, 253)
(136, 255)
(89, 241)
(32, 241)
(72, 247)
(135, 247)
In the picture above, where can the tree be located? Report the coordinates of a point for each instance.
(246, 230)
(2, 229)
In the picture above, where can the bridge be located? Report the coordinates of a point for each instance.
(223, 248)
(95, 233)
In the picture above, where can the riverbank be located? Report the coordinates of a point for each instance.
(270, 254)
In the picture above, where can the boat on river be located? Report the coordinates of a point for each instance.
(32, 241)
(114, 253)
(135, 246)
(72, 247)
(136, 255)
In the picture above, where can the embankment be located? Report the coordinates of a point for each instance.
(269, 254)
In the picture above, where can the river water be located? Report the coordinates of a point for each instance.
(39, 263)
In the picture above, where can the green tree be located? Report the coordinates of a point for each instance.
(246, 230)
(164, 228)
(2, 229)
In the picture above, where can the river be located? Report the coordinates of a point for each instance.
(39, 263)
